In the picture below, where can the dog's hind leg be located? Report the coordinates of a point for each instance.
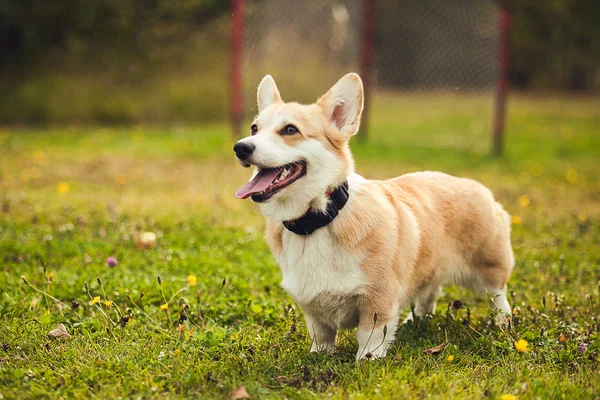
(494, 264)
(494, 278)
(491, 279)
(425, 302)
(500, 301)
(322, 336)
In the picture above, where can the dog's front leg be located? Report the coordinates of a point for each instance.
(322, 336)
(376, 331)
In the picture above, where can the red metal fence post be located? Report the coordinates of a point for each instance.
(502, 88)
(366, 62)
(235, 77)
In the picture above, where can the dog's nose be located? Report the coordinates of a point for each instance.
(243, 150)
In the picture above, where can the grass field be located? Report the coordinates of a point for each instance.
(70, 198)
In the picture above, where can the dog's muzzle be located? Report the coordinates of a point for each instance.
(243, 150)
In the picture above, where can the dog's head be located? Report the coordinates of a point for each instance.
(299, 151)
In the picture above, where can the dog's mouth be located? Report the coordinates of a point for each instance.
(269, 181)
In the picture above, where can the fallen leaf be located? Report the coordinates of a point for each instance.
(59, 333)
(240, 393)
(146, 240)
(436, 349)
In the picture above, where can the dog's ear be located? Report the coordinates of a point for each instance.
(343, 104)
(267, 93)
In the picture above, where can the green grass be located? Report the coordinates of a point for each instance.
(238, 327)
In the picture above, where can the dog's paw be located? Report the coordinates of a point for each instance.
(322, 347)
(502, 319)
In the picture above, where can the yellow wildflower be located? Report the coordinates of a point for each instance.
(62, 188)
(164, 307)
(450, 358)
(192, 280)
(95, 300)
(572, 175)
(524, 201)
(180, 328)
(508, 397)
(516, 220)
(50, 275)
(562, 338)
(108, 303)
(521, 345)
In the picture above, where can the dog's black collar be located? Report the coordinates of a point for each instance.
(314, 220)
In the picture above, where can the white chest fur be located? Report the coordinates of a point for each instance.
(315, 266)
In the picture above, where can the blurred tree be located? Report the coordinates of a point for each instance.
(556, 44)
(42, 32)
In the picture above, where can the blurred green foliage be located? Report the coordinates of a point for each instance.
(96, 32)
(129, 61)
(112, 61)
(555, 44)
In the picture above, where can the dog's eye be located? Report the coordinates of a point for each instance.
(254, 129)
(289, 130)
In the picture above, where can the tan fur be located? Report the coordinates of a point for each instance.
(452, 214)
(274, 239)
(413, 234)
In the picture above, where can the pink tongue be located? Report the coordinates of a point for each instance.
(261, 181)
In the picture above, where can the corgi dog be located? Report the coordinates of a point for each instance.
(353, 252)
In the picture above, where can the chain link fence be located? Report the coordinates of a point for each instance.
(431, 49)
(305, 45)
